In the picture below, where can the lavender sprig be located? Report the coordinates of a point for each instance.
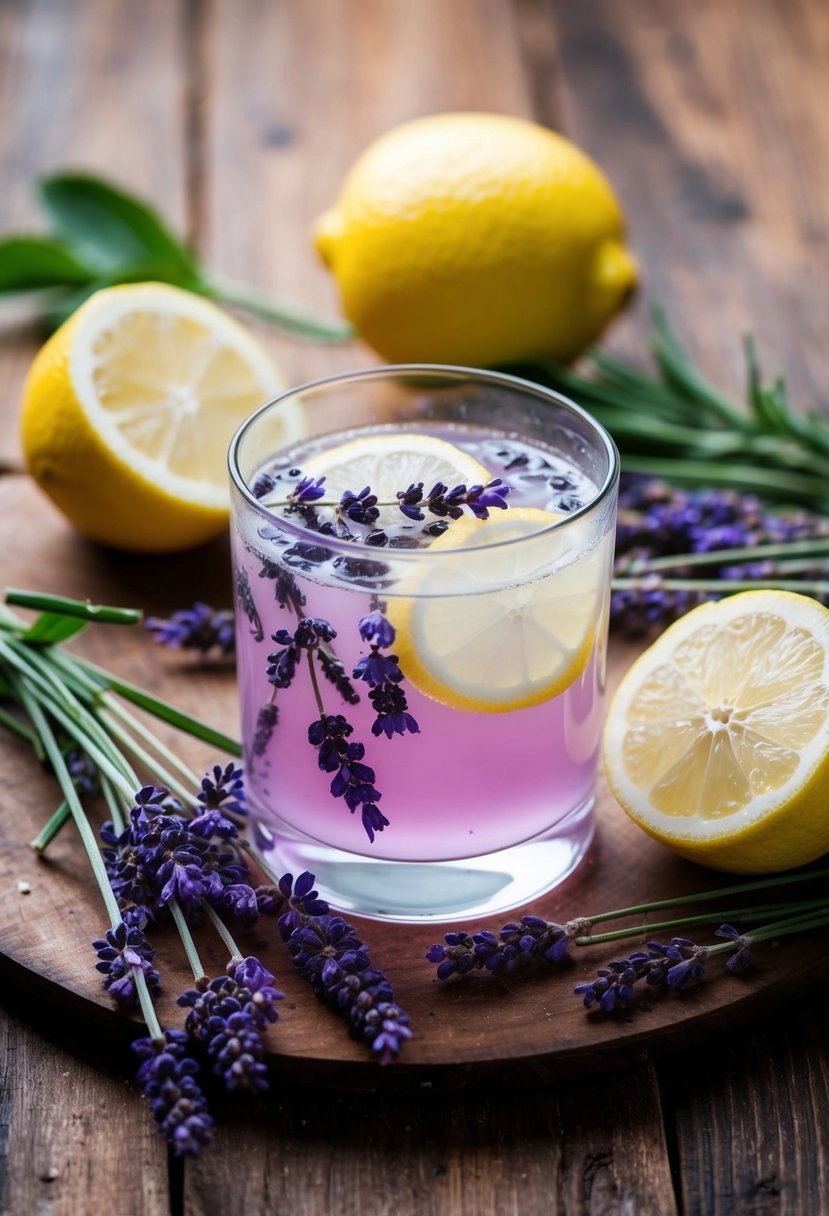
(200, 628)
(336, 963)
(229, 1015)
(673, 965)
(176, 1101)
(383, 675)
(364, 507)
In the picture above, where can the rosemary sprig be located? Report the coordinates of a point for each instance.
(677, 425)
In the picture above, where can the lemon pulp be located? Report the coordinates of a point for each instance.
(717, 741)
(129, 408)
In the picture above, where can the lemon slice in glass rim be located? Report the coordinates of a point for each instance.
(521, 630)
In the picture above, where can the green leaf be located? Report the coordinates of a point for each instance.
(60, 309)
(28, 263)
(110, 228)
(50, 628)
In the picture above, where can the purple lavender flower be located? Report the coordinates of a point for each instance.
(376, 629)
(177, 1103)
(84, 773)
(306, 491)
(353, 780)
(334, 671)
(199, 628)
(613, 985)
(383, 675)
(266, 721)
(532, 939)
(124, 948)
(671, 966)
(230, 1017)
(442, 501)
(159, 857)
(687, 961)
(224, 791)
(392, 710)
(245, 600)
(286, 592)
(657, 520)
(483, 499)
(308, 635)
(742, 956)
(359, 508)
(332, 958)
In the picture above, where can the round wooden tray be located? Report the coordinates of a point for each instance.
(478, 1030)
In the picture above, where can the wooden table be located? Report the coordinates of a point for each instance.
(239, 119)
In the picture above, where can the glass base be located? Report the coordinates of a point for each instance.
(426, 891)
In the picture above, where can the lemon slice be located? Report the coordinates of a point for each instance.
(523, 629)
(389, 462)
(717, 741)
(129, 409)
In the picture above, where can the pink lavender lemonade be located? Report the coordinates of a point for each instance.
(421, 666)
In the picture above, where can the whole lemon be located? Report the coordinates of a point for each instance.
(476, 239)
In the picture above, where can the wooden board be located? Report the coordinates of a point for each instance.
(480, 1030)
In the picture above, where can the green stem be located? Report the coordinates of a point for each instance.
(162, 709)
(725, 586)
(187, 941)
(677, 901)
(20, 728)
(146, 1002)
(224, 933)
(144, 757)
(115, 808)
(75, 719)
(751, 913)
(278, 312)
(138, 728)
(48, 833)
(74, 608)
(85, 832)
(725, 557)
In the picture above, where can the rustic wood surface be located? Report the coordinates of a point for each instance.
(238, 120)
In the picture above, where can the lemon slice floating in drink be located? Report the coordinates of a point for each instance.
(717, 741)
(523, 629)
(129, 408)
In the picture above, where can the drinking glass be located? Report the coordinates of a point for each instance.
(422, 698)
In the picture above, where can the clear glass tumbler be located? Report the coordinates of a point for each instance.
(422, 677)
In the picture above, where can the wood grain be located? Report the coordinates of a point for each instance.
(61, 1118)
(709, 120)
(752, 1121)
(546, 1152)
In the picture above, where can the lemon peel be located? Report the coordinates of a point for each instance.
(128, 410)
(524, 628)
(476, 239)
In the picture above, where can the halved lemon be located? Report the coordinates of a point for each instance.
(392, 461)
(717, 740)
(129, 408)
(523, 628)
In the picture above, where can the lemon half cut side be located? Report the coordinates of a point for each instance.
(717, 740)
(523, 629)
(129, 409)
